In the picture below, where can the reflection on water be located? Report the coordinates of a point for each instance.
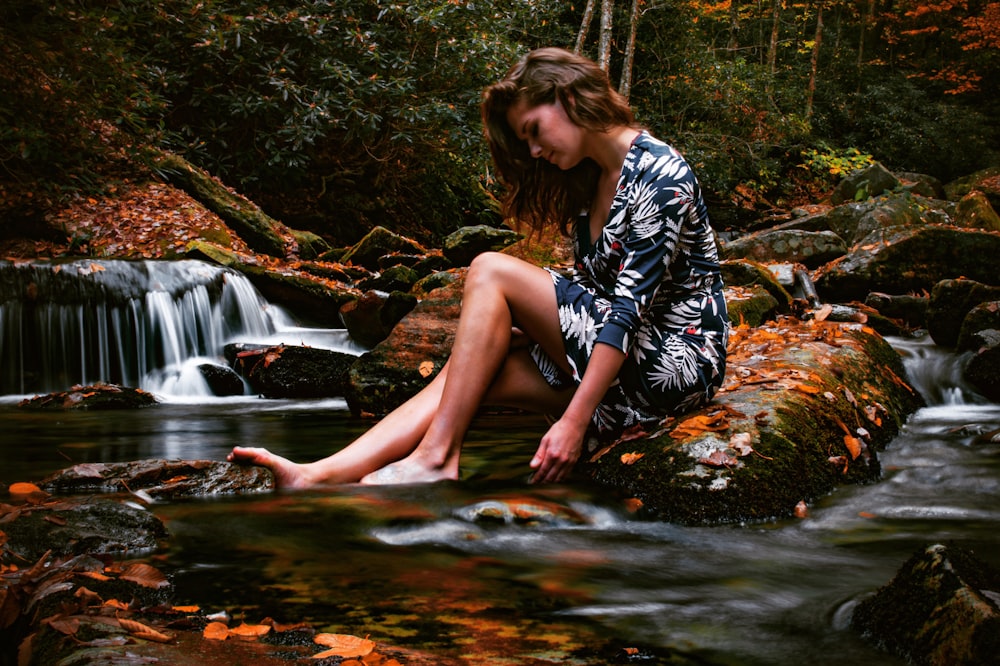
(411, 568)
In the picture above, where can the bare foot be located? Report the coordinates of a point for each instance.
(408, 471)
(287, 475)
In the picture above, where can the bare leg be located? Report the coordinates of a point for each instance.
(427, 430)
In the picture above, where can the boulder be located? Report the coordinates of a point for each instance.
(377, 243)
(982, 317)
(160, 479)
(940, 610)
(811, 248)
(950, 303)
(912, 310)
(983, 368)
(910, 259)
(288, 371)
(461, 247)
(394, 278)
(310, 245)
(371, 318)
(221, 379)
(801, 412)
(863, 184)
(986, 181)
(922, 184)
(96, 397)
(315, 301)
(975, 212)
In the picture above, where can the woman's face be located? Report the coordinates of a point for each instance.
(549, 133)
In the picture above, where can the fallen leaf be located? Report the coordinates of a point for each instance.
(630, 458)
(853, 445)
(718, 458)
(65, 625)
(216, 631)
(343, 645)
(633, 504)
(740, 442)
(249, 631)
(145, 575)
(140, 630)
(801, 510)
(185, 609)
(26, 490)
(426, 368)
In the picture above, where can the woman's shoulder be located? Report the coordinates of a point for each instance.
(653, 159)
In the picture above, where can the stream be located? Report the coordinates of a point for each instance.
(407, 567)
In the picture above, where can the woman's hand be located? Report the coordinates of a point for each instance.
(558, 451)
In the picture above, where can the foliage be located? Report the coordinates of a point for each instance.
(338, 115)
(831, 164)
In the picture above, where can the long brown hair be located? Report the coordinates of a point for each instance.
(538, 193)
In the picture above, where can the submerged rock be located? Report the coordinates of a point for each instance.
(287, 371)
(941, 609)
(161, 478)
(96, 397)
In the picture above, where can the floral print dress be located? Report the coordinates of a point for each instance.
(649, 286)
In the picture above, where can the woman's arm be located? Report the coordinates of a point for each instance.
(562, 445)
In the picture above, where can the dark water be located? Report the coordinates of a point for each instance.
(407, 567)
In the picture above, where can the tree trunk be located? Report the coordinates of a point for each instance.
(604, 45)
(734, 25)
(625, 87)
(588, 16)
(865, 21)
(814, 62)
(772, 49)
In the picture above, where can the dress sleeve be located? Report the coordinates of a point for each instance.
(658, 201)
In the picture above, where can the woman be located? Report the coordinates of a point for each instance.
(637, 333)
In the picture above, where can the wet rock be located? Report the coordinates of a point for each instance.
(95, 397)
(801, 412)
(910, 260)
(744, 273)
(863, 184)
(986, 181)
(922, 184)
(394, 278)
(940, 610)
(520, 511)
(950, 302)
(905, 307)
(378, 243)
(161, 479)
(222, 380)
(461, 246)
(974, 211)
(983, 317)
(435, 281)
(315, 301)
(370, 319)
(288, 371)
(811, 248)
(79, 527)
(416, 349)
(983, 368)
(310, 245)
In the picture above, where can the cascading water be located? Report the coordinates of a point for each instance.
(145, 324)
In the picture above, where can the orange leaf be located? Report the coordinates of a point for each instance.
(216, 631)
(140, 630)
(25, 490)
(250, 631)
(145, 575)
(629, 458)
(185, 609)
(853, 445)
(343, 645)
(426, 369)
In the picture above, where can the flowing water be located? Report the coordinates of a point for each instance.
(408, 567)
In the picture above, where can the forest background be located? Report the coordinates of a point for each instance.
(339, 115)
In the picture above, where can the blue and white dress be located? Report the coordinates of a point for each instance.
(649, 286)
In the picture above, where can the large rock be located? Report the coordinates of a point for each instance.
(907, 259)
(986, 181)
(805, 408)
(983, 369)
(811, 248)
(462, 246)
(974, 211)
(288, 371)
(950, 303)
(377, 243)
(371, 318)
(865, 183)
(92, 397)
(160, 479)
(939, 610)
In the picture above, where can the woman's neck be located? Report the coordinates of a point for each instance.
(608, 149)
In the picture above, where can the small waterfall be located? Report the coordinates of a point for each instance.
(145, 324)
(935, 372)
